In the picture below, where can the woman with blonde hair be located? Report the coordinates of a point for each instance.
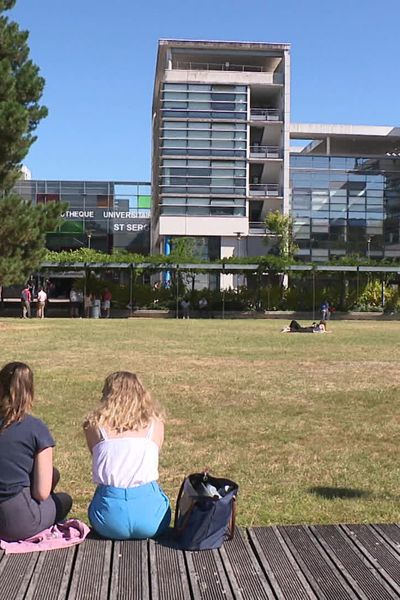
(124, 435)
(27, 477)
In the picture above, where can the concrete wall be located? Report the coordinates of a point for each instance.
(209, 226)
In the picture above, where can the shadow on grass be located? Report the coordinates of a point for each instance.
(331, 493)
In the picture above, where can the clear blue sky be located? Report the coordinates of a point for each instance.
(98, 58)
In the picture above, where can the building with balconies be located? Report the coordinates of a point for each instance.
(220, 143)
(222, 159)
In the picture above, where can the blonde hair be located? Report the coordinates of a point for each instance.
(16, 392)
(125, 404)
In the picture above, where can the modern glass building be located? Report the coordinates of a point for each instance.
(345, 191)
(220, 143)
(346, 205)
(225, 153)
(103, 215)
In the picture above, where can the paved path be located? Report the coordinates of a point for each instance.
(294, 563)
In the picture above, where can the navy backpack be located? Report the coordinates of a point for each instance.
(205, 512)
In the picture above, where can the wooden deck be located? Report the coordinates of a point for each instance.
(294, 563)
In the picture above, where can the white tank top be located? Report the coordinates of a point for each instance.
(125, 462)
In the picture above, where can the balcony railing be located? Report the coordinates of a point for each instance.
(265, 152)
(226, 66)
(265, 114)
(257, 226)
(264, 189)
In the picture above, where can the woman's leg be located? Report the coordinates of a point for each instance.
(62, 500)
(21, 516)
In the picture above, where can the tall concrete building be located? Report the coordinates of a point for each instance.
(221, 118)
(225, 153)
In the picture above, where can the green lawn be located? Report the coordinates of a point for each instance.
(308, 425)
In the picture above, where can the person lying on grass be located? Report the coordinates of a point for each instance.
(295, 327)
(124, 435)
(28, 503)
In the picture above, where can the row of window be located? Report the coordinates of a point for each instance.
(204, 114)
(196, 105)
(198, 211)
(203, 135)
(192, 201)
(204, 163)
(340, 192)
(345, 163)
(202, 87)
(202, 125)
(203, 189)
(234, 144)
(204, 181)
(338, 214)
(199, 172)
(204, 152)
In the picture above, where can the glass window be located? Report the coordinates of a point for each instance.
(174, 96)
(174, 133)
(175, 124)
(172, 201)
(174, 104)
(199, 87)
(174, 86)
(174, 143)
(197, 133)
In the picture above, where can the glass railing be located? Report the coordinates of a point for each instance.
(265, 152)
(206, 66)
(258, 226)
(265, 114)
(264, 189)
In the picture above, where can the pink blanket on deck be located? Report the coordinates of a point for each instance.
(60, 535)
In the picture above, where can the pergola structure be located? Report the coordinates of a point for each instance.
(223, 268)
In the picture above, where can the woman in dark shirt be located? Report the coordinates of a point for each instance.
(27, 477)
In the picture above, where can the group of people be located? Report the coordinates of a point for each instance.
(26, 302)
(202, 306)
(124, 435)
(295, 327)
(90, 305)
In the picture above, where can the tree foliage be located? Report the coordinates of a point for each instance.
(21, 88)
(22, 225)
(281, 226)
(22, 236)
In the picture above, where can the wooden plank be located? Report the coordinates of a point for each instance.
(169, 579)
(130, 571)
(15, 574)
(381, 555)
(91, 574)
(365, 581)
(279, 565)
(246, 577)
(51, 576)
(326, 580)
(207, 576)
(390, 533)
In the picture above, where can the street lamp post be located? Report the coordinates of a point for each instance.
(89, 238)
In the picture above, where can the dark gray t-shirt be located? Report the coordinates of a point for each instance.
(19, 444)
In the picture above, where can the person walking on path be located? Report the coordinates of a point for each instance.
(26, 298)
(41, 303)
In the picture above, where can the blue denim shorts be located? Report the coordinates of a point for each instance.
(132, 513)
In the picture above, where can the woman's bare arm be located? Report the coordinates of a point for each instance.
(42, 474)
